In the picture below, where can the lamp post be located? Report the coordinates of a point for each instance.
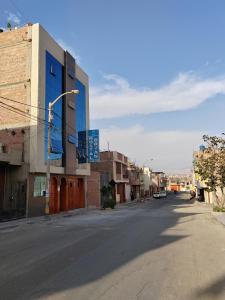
(50, 119)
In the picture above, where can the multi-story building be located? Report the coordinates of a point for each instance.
(134, 180)
(34, 70)
(201, 189)
(159, 181)
(113, 170)
(146, 182)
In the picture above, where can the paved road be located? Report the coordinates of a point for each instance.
(163, 249)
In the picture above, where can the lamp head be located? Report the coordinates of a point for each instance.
(75, 91)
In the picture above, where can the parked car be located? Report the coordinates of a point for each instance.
(163, 194)
(156, 195)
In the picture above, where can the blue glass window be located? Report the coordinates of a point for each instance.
(81, 122)
(80, 106)
(53, 88)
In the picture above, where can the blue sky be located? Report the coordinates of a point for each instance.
(157, 69)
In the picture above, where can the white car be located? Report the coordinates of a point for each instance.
(162, 194)
(156, 195)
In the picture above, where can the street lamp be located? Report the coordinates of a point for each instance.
(50, 119)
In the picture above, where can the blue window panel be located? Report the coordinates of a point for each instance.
(53, 88)
(80, 106)
(56, 147)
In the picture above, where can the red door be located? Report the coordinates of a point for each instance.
(54, 205)
(81, 192)
(63, 195)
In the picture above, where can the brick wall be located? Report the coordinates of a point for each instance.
(93, 189)
(15, 50)
(103, 166)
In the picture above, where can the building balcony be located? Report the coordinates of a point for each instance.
(135, 182)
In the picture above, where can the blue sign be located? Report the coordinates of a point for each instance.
(93, 145)
(88, 146)
(82, 147)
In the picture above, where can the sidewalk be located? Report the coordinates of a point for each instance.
(72, 213)
(219, 216)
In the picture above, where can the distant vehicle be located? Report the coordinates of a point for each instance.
(156, 195)
(161, 194)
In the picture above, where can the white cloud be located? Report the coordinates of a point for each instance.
(65, 46)
(15, 18)
(116, 98)
(171, 150)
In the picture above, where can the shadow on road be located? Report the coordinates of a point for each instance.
(213, 290)
(100, 254)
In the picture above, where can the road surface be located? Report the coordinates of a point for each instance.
(162, 249)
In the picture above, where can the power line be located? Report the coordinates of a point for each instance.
(21, 112)
(19, 10)
(37, 107)
(16, 101)
(27, 115)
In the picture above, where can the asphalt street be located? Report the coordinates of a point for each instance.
(167, 248)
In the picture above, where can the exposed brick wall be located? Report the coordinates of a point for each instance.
(93, 189)
(13, 138)
(14, 75)
(103, 166)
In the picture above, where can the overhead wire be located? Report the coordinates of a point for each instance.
(39, 107)
(26, 104)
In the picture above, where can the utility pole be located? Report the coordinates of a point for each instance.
(48, 167)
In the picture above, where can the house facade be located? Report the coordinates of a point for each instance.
(113, 169)
(146, 182)
(159, 181)
(34, 70)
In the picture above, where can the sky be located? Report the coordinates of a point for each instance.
(156, 69)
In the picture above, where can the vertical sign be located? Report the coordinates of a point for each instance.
(82, 147)
(93, 145)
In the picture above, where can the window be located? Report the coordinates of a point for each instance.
(53, 88)
(39, 186)
(118, 168)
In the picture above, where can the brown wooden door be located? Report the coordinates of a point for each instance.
(54, 205)
(121, 191)
(81, 193)
(2, 186)
(63, 195)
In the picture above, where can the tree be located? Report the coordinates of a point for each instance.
(210, 165)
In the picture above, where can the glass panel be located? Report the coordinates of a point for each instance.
(54, 87)
(39, 186)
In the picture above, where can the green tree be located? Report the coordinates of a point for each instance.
(210, 165)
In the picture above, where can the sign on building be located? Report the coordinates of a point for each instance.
(88, 146)
(93, 145)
